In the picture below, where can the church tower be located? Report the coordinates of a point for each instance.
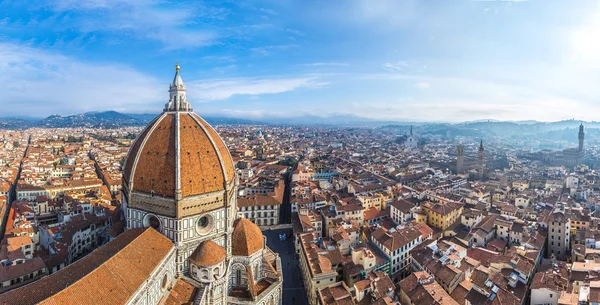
(460, 158)
(481, 156)
(411, 140)
(581, 136)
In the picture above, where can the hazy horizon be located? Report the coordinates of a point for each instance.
(307, 117)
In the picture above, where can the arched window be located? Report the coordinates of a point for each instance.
(238, 278)
(216, 272)
(165, 282)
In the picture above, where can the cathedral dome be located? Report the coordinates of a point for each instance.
(208, 254)
(246, 239)
(178, 154)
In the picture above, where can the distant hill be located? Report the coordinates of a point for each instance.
(479, 128)
(146, 118)
(106, 119)
(14, 123)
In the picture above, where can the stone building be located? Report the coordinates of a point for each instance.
(460, 159)
(559, 235)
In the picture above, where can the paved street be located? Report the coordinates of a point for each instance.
(293, 291)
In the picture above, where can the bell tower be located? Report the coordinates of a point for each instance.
(481, 156)
(460, 159)
(581, 136)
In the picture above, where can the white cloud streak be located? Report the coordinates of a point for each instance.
(422, 85)
(36, 82)
(226, 88)
(172, 25)
(397, 66)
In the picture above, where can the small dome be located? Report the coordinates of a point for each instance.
(247, 238)
(207, 254)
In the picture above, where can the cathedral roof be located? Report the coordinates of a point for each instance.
(178, 153)
(109, 275)
(246, 239)
(207, 254)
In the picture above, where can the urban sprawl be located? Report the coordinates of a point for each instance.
(371, 216)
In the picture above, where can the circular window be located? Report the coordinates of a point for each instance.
(204, 224)
(152, 221)
(164, 283)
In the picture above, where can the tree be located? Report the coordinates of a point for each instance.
(16, 144)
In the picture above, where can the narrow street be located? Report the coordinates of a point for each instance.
(293, 289)
(12, 196)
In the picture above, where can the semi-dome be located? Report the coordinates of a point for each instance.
(246, 239)
(178, 154)
(208, 254)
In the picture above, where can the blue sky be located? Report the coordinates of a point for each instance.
(385, 59)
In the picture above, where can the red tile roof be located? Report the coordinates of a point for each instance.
(109, 275)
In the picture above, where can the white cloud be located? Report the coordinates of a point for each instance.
(268, 11)
(42, 83)
(295, 32)
(268, 50)
(226, 88)
(585, 43)
(460, 99)
(327, 64)
(422, 85)
(174, 25)
(397, 66)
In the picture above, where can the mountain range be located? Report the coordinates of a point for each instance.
(113, 119)
(104, 119)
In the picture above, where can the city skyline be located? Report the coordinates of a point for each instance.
(387, 60)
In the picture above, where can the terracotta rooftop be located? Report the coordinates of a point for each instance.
(181, 294)
(108, 275)
(246, 239)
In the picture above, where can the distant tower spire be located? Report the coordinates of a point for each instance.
(460, 158)
(411, 130)
(581, 136)
(177, 94)
(481, 156)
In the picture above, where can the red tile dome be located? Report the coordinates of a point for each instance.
(178, 154)
(208, 254)
(246, 239)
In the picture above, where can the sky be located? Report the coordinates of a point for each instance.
(420, 60)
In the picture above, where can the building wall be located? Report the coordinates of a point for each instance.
(399, 217)
(558, 239)
(442, 221)
(544, 296)
(265, 215)
(184, 232)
